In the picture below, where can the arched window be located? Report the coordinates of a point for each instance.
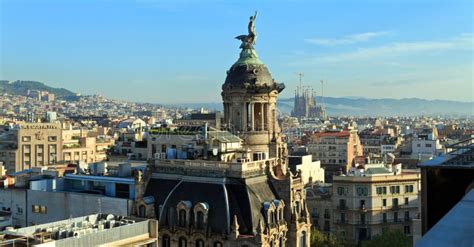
(199, 243)
(200, 220)
(303, 239)
(182, 242)
(200, 210)
(272, 217)
(182, 218)
(297, 207)
(165, 241)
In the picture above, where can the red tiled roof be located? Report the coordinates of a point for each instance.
(344, 133)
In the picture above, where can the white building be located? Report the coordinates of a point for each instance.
(311, 171)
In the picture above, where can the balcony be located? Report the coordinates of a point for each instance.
(362, 222)
(342, 207)
(362, 207)
(342, 221)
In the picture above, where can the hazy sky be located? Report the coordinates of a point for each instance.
(178, 51)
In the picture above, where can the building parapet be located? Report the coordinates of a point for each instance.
(375, 179)
(208, 168)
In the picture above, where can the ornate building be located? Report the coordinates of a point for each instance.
(231, 187)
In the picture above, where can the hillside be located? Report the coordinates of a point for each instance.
(22, 87)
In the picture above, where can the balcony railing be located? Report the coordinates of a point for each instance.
(342, 221)
(342, 207)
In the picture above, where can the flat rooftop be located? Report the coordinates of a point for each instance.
(86, 230)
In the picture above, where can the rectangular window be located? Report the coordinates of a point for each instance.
(342, 203)
(407, 230)
(407, 215)
(395, 189)
(408, 188)
(39, 209)
(395, 202)
(406, 200)
(340, 191)
(326, 213)
(395, 216)
(384, 202)
(362, 191)
(384, 217)
(362, 218)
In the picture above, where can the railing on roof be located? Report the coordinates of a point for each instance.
(207, 168)
(462, 153)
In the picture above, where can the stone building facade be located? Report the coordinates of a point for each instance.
(31, 145)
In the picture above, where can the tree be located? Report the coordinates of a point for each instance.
(319, 239)
(389, 239)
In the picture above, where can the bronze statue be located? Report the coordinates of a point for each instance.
(249, 40)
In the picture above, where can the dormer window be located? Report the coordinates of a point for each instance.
(200, 220)
(200, 215)
(182, 218)
(183, 209)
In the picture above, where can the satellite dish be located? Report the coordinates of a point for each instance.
(214, 151)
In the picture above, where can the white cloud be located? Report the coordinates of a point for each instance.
(464, 41)
(349, 39)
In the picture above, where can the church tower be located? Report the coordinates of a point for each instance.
(250, 96)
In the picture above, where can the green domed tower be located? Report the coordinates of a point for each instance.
(250, 96)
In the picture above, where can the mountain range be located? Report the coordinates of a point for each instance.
(352, 106)
(334, 105)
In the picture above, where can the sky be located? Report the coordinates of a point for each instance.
(175, 51)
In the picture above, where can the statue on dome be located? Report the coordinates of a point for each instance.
(249, 40)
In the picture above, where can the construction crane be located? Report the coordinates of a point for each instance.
(300, 74)
(322, 94)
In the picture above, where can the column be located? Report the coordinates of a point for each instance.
(244, 116)
(252, 114)
(262, 117)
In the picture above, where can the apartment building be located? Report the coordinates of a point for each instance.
(335, 149)
(30, 145)
(375, 198)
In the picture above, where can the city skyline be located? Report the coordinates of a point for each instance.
(162, 49)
